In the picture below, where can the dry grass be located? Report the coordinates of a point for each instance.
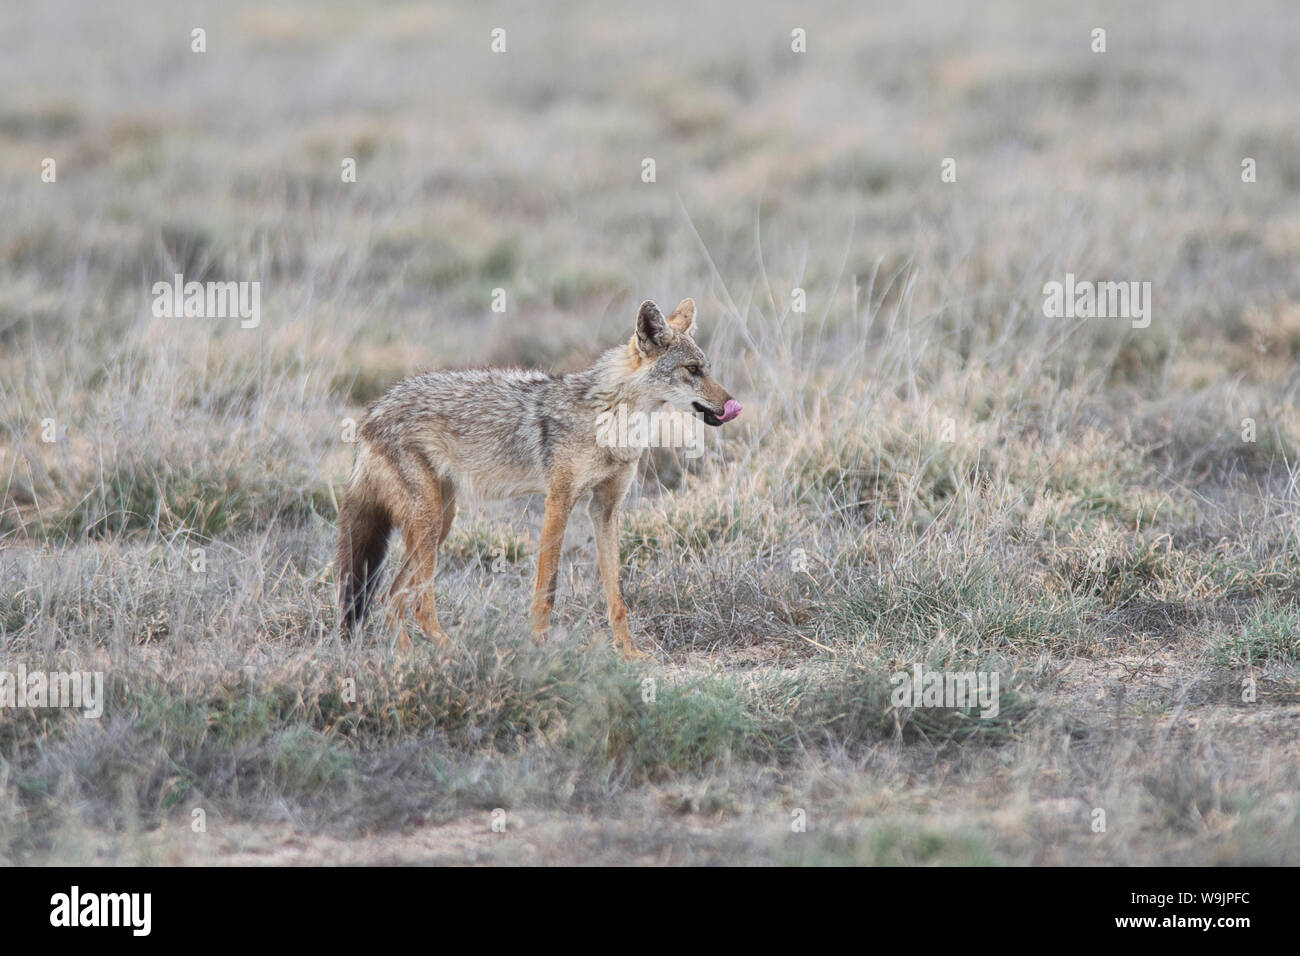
(960, 481)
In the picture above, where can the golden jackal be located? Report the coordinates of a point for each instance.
(499, 433)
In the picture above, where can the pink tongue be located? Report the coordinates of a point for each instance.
(731, 409)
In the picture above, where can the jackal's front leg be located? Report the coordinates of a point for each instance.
(559, 504)
(604, 509)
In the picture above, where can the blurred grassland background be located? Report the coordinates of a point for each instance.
(1097, 532)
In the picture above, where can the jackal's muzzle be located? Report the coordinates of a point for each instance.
(730, 409)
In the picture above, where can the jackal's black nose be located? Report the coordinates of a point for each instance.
(711, 415)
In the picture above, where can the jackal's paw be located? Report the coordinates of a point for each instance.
(629, 650)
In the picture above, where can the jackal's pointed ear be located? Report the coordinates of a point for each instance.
(683, 317)
(652, 332)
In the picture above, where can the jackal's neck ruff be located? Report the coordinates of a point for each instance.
(617, 377)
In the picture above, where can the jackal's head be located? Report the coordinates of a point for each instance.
(676, 371)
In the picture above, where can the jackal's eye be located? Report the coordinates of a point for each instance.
(692, 369)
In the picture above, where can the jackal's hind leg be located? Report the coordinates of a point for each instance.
(424, 527)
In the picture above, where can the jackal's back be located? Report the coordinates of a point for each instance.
(494, 433)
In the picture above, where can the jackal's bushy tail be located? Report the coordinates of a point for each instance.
(364, 525)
